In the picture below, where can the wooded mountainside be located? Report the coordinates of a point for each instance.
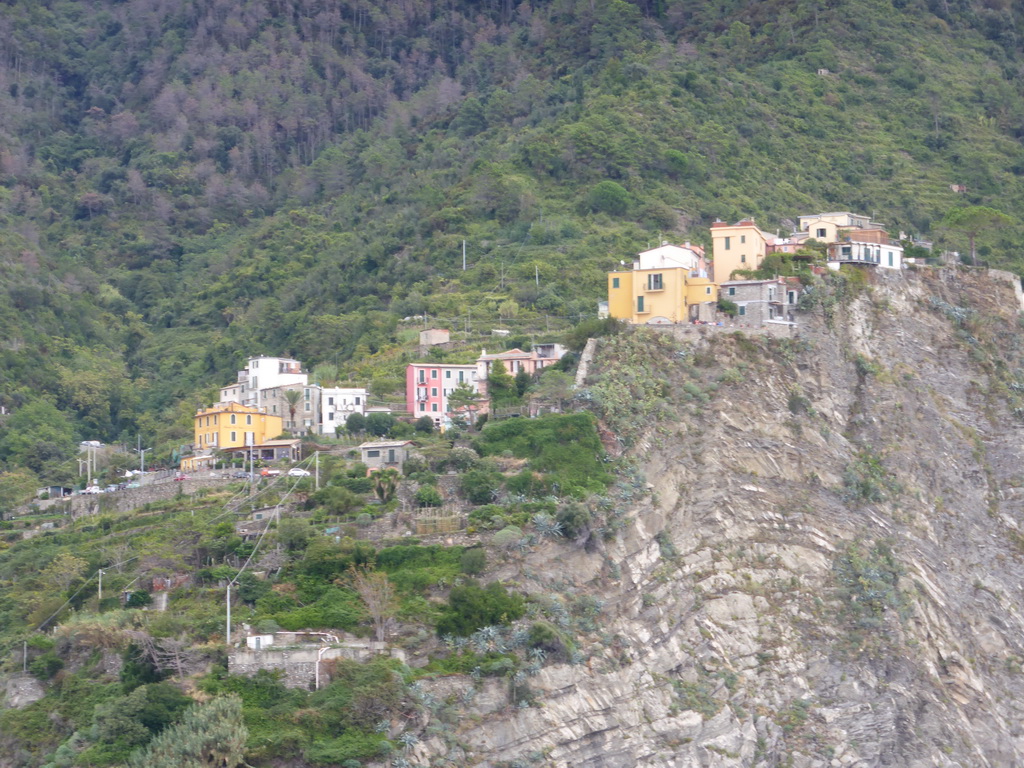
(186, 183)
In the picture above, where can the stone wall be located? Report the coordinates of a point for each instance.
(122, 501)
(299, 662)
(771, 328)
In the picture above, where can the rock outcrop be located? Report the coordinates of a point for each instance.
(825, 566)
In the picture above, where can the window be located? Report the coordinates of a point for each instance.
(434, 407)
(373, 454)
(845, 251)
(821, 232)
(639, 303)
(447, 374)
(743, 259)
(732, 290)
(743, 309)
(743, 239)
(615, 282)
(433, 374)
(357, 401)
(728, 243)
(791, 297)
(330, 401)
(655, 282)
(248, 419)
(708, 290)
(232, 420)
(423, 407)
(423, 376)
(890, 258)
(433, 391)
(215, 421)
(330, 416)
(460, 376)
(273, 409)
(234, 437)
(309, 407)
(306, 394)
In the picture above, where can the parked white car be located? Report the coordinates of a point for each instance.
(298, 472)
(91, 489)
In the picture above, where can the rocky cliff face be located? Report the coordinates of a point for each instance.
(825, 566)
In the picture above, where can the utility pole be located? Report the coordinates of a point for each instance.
(316, 467)
(463, 255)
(227, 623)
(536, 275)
(99, 589)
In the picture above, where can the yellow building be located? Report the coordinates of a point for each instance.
(658, 296)
(233, 425)
(736, 246)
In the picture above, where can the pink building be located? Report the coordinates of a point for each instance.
(515, 360)
(427, 386)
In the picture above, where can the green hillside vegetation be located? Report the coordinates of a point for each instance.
(183, 186)
(115, 666)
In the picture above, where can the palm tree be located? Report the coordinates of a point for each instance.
(385, 483)
(292, 396)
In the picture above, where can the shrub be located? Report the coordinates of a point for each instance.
(46, 666)
(566, 446)
(507, 537)
(140, 598)
(473, 561)
(462, 459)
(471, 607)
(480, 486)
(574, 519)
(425, 424)
(429, 496)
(868, 579)
(336, 500)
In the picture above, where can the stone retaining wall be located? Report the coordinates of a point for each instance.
(299, 662)
(122, 501)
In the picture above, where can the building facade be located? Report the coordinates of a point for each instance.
(306, 416)
(736, 246)
(659, 296)
(427, 386)
(761, 301)
(385, 454)
(337, 404)
(232, 425)
(262, 373)
(537, 359)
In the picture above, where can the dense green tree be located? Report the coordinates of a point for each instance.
(355, 423)
(608, 197)
(380, 424)
(501, 386)
(974, 221)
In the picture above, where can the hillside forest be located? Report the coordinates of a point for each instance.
(185, 184)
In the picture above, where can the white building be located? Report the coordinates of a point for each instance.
(337, 404)
(887, 255)
(263, 373)
(668, 256)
